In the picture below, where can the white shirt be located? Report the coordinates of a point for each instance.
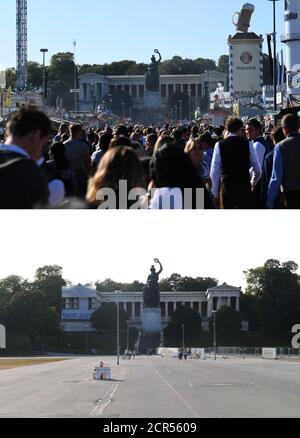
(16, 149)
(260, 151)
(215, 173)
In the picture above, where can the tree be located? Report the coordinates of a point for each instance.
(105, 318)
(8, 287)
(28, 313)
(250, 311)
(187, 316)
(61, 78)
(11, 78)
(49, 281)
(228, 321)
(35, 75)
(116, 100)
(186, 284)
(278, 290)
(223, 64)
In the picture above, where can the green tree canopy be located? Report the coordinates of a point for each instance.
(49, 281)
(35, 75)
(105, 318)
(187, 284)
(277, 288)
(28, 312)
(228, 321)
(187, 316)
(223, 64)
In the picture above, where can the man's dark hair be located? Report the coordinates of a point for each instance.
(291, 123)
(75, 129)
(121, 130)
(255, 123)
(120, 141)
(206, 138)
(234, 124)
(177, 134)
(152, 138)
(29, 119)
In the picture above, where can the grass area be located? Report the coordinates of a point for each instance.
(16, 363)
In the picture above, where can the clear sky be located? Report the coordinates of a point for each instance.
(93, 245)
(109, 31)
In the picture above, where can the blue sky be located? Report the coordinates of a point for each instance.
(130, 29)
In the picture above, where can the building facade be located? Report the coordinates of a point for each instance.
(79, 303)
(94, 87)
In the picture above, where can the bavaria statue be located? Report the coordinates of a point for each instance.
(151, 291)
(152, 75)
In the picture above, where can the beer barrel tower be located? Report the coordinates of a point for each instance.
(292, 41)
(246, 60)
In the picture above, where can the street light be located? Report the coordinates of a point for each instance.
(87, 339)
(183, 343)
(180, 109)
(75, 79)
(127, 335)
(215, 334)
(44, 51)
(274, 55)
(118, 328)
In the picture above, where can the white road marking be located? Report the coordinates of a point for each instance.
(255, 384)
(191, 385)
(107, 398)
(195, 414)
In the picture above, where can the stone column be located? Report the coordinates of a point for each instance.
(133, 311)
(175, 306)
(167, 309)
(237, 304)
(228, 302)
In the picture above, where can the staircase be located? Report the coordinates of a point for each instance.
(149, 342)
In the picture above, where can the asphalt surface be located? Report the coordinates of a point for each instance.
(153, 387)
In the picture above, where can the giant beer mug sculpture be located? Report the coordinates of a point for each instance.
(244, 17)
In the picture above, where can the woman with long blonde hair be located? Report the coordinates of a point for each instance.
(118, 164)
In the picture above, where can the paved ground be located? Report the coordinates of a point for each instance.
(153, 387)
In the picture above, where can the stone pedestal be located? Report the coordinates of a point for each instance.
(152, 100)
(151, 320)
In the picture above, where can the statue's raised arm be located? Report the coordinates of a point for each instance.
(160, 57)
(160, 265)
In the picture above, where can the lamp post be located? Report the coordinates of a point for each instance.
(123, 106)
(109, 96)
(274, 55)
(180, 109)
(183, 340)
(118, 328)
(190, 105)
(128, 322)
(75, 79)
(215, 334)
(176, 114)
(44, 51)
(87, 339)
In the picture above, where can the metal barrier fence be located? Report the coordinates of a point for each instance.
(282, 352)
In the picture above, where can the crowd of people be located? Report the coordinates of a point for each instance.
(237, 166)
